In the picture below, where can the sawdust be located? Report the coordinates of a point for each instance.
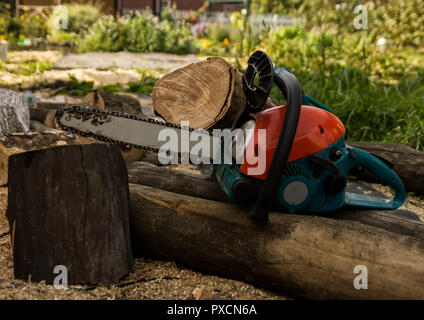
(151, 279)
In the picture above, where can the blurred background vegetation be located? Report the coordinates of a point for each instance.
(373, 79)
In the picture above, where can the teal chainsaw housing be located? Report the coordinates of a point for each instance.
(309, 186)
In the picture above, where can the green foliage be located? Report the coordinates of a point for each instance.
(400, 21)
(142, 33)
(32, 27)
(80, 19)
(218, 32)
(104, 35)
(178, 38)
(79, 88)
(26, 68)
(29, 26)
(376, 93)
(145, 84)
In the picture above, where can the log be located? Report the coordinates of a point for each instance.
(199, 183)
(300, 256)
(169, 179)
(16, 143)
(14, 112)
(408, 163)
(208, 94)
(69, 206)
(119, 102)
(38, 114)
(45, 116)
(168, 224)
(37, 126)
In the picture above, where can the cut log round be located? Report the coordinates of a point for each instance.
(69, 206)
(408, 163)
(206, 94)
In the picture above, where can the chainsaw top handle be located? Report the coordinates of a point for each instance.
(292, 91)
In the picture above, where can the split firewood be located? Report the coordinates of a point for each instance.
(207, 94)
(68, 206)
(298, 255)
(408, 163)
(14, 112)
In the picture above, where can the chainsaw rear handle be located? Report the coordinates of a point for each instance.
(383, 173)
(292, 91)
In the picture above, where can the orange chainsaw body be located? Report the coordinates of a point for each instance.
(317, 130)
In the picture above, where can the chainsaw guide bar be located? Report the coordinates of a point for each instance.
(126, 130)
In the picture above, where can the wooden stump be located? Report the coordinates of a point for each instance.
(69, 206)
(207, 94)
(15, 143)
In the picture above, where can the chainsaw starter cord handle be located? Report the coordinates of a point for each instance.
(292, 91)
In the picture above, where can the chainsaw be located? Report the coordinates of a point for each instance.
(306, 159)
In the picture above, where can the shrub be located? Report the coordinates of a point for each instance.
(34, 27)
(143, 34)
(400, 21)
(363, 83)
(104, 35)
(178, 37)
(80, 19)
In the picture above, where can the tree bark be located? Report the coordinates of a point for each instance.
(169, 179)
(69, 206)
(298, 255)
(207, 94)
(408, 163)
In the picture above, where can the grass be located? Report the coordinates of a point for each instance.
(371, 110)
(26, 68)
(81, 88)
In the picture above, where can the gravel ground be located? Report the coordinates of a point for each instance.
(125, 60)
(151, 279)
(103, 68)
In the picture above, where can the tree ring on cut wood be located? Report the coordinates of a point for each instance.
(201, 93)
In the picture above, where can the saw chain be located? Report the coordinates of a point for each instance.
(98, 117)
